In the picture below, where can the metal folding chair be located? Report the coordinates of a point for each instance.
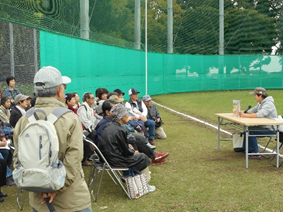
(266, 146)
(101, 165)
(20, 194)
(280, 147)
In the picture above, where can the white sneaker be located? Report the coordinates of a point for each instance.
(150, 188)
(150, 146)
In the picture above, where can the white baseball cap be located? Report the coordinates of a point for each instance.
(49, 77)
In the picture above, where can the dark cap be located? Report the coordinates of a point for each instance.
(69, 96)
(133, 91)
(119, 91)
(259, 91)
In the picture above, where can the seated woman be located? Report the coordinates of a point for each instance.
(265, 108)
(114, 145)
(4, 109)
(71, 102)
(6, 155)
(77, 98)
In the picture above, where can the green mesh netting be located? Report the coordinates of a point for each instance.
(250, 27)
(92, 65)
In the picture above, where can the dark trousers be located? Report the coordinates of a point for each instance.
(142, 147)
(3, 168)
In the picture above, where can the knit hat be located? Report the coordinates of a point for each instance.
(118, 111)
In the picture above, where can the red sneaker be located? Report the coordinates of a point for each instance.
(160, 156)
(158, 162)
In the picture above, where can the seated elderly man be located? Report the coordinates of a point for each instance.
(139, 110)
(19, 110)
(154, 115)
(86, 112)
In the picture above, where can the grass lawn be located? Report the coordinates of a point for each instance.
(196, 177)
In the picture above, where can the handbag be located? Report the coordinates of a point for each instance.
(238, 140)
(136, 183)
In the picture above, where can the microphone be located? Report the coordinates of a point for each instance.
(246, 110)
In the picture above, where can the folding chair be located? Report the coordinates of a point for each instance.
(280, 147)
(20, 203)
(266, 146)
(100, 167)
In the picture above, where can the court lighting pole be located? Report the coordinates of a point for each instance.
(221, 27)
(138, 24)
(84, 19)
(145, 42)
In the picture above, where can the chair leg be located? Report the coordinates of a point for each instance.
(99, 183)
(120, 183)
(273, 157)
(91, 174)
(20, 204)
(266, 148)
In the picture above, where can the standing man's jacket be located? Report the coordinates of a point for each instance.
(74, 196)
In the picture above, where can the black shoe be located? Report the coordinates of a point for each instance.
(1, 199)
(3, 194)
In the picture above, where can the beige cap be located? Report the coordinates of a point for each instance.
(116, 99)
(20, 97)
(259, 90)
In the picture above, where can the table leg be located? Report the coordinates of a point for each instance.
(247, 145)
(277, 149)
(218, 134)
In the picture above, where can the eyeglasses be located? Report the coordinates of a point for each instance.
(91, 98)
(65, 86)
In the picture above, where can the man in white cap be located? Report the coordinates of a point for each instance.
(154, 115)
(50, 87)
(139, 110)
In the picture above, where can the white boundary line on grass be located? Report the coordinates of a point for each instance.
(206, 123)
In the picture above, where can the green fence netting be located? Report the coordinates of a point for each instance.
(250, 27)
(93, 65)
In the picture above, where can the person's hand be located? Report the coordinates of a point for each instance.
(157, 120)
(131, 147)
(136, 118)
(12, 131)
(136, 152)
(130, 118)
(46, 195)
(242, 114)
(12, 100)
(143, 118)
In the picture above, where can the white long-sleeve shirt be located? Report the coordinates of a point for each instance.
(136, 110)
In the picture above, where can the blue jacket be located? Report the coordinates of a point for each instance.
(101, 125)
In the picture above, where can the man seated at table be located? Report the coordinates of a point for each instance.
(265, 108)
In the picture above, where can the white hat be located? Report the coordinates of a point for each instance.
(49, 77)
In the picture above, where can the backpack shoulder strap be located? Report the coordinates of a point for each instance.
(56, 114)
(32, 116)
